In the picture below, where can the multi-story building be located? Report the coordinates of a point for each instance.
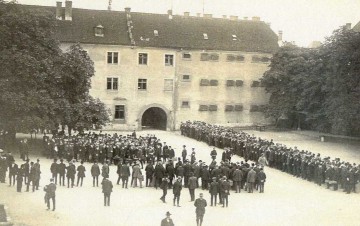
(158, 70)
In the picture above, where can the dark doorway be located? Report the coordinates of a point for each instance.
(154, 118)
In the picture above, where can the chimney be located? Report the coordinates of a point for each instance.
(206, 15)
(224, 16)
(68, 10)
(280, 34)
(256, 18)
(348, 26)
(127, 10)
(170, 14)
(186, 14)
(58, 10)
(198, 14)
(234, 17)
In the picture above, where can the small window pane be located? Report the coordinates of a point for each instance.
(230, 83)
(119, 112)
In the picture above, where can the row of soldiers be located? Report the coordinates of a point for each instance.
(99, 147)
(303, 164)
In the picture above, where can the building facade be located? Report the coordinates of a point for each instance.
(157, 70)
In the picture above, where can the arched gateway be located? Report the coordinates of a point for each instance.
(154, 118)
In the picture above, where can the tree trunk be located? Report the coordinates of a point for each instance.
(69, 130)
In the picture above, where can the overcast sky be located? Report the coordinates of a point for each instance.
(302, 21)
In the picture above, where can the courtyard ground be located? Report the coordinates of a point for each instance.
(287, 200)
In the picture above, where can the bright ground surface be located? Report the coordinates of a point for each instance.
(286, 201)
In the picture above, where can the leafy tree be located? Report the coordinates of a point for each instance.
(28, 54)
(40, 86)
(341, 52)
(323, 83)
(284, 80)
(77, 109)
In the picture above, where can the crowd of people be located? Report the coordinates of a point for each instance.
(299, 163)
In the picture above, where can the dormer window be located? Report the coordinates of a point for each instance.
(234, 37)
(99, 31)
(205, 36)
(156, 33)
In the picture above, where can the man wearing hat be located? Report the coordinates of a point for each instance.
(95, 172)
(107, 187)
(214, 188)
(167, 221)
(177, 190)
(184, 153)
(61, 170)
(50, 194)
(200, 204)
(225, 191)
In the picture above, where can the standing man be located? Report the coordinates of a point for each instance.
(105, 170)
(177, 191)
(225, 191)
(54, 170)
(50, 194)
(13, 168)
(81, 173)
(192, 185)
(159, 174)
(62, 169)
(167, 221)
(214, 188)
(106, 189)
(164, 187)
(237, 178)
(200, 205)
(70, 174)
(261, 178)
(125, 174)
(184, 153)
(149, 169)
(95, 172)
(250, 180)
(37, 172)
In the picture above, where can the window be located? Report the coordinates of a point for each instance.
(185, 104)
(99, 31)
(239, 83)
(120, 112)
(257, 84)
(203, 108)
(168, 85)
(212, 107)
(240, 58)
(186, 78)
(142, 84)
(230, 57)
(209, 57)
(265, 59)
(204, 57)
(255, 59)
(204, 82)
(214, 57)
(186, 56)
(239, 107)
(169, 60)
(257, 108)
(143, 58)
(113, 58)
(230, 83)
(205, 36)
(112, 83)
(229, 107)
(214, 82)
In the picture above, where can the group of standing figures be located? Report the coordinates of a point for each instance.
(299, 163)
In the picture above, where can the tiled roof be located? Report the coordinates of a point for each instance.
(178, 32)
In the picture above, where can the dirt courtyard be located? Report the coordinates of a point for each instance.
(287, 200)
